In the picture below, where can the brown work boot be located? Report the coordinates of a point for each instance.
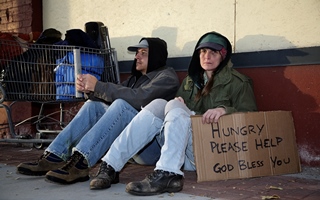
(105, 177)
(156, 183)
(48, 161)
(75, 170)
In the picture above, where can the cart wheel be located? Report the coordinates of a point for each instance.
(38, 145)
(2, 94)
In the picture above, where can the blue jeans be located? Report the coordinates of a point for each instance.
(168, 122)
(93, 130)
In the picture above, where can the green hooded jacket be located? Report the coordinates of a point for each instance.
(231, 89)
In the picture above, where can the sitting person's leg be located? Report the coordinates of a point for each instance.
(94, 143)
(87, 117)
(60, 149)
(139, 132)
(168, 176)
(149, 155)
(189, 162)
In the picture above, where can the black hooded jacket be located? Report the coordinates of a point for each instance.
(139, 90)
(158, 55)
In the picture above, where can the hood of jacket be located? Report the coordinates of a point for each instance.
(157, 56)
(195, 70)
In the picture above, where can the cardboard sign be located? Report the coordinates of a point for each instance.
(243, 145)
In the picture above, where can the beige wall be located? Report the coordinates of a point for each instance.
(251, 25)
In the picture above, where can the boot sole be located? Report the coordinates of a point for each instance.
(64, 182)
(31, 173)
(169, 190)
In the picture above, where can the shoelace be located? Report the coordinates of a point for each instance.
(43, 156)
(104, 168)
(71, 162)
(157, 173)
(37, 162)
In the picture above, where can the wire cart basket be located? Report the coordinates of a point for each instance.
(46, 74)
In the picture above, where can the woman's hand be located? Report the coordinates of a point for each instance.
(179, 99)
(212, 115)
(86, 83)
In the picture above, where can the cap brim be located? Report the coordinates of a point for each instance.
(210, 45)
(136, 47)
(142, 44)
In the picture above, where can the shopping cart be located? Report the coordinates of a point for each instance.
(45, 74)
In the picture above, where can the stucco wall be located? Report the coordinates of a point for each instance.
(251, 25)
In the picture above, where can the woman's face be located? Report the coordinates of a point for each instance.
(209, 59)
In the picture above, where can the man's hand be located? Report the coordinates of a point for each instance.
(86, 83)
(212, 115)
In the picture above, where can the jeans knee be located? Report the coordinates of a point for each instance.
(89, 104)
(156, 107)
(93, 106)
(177, 113)
(120, 107)
(119, 102)
(177, 106)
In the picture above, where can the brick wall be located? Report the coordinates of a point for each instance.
(20, 16)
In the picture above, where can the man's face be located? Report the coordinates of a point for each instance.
(142, 60)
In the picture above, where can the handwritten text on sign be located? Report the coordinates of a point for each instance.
(260, 143)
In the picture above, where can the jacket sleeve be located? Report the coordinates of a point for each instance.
(163, 85)
(243, 99)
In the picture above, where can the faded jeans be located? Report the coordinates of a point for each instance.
(168, 122)
(93, 130)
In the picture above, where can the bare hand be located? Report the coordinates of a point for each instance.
(86, 83)
(212, 115)
(179, 99)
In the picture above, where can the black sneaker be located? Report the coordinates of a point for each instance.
(75, 170)
(105, 177)
(156, 183)
(48, 161)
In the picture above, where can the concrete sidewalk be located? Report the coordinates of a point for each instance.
(16, 186)
(304, 185)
